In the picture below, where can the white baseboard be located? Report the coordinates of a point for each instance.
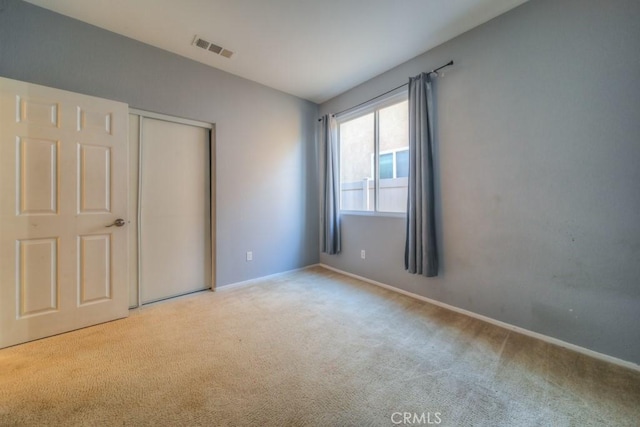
(504, 325)
(260, 279)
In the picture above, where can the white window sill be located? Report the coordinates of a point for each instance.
(379, 214)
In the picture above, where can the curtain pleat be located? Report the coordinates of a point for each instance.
(421, 253)
(331, 192)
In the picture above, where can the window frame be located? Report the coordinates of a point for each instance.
(374, 106)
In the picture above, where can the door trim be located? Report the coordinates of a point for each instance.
(172, 119)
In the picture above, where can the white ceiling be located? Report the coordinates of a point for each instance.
(314, 49)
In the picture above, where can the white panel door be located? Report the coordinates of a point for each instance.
(63, 179)
(175, 244)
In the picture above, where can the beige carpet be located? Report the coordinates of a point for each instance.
(310, 348)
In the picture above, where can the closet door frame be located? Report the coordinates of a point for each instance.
(136, 136)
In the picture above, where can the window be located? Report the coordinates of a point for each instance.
(374, 157)
(393, 164)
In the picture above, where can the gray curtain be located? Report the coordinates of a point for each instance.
(421, 254)
(331, 182)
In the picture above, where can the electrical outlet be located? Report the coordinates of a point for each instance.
(249, 256)
(363, 254)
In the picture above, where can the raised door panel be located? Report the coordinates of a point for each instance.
(94, 269)
(37, 277)
(98, 122)
(37, 166)
(37, 112)
(94, 180)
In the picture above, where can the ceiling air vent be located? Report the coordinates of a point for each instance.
(214, 48)
(202, 43)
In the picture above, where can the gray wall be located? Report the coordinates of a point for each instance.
(266, 161)
(539, 164)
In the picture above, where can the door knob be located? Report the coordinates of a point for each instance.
(118, 223)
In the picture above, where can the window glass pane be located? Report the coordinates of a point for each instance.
(356, 151)
(394, 127)
(386, 166)
(394, 137)
(402, 164)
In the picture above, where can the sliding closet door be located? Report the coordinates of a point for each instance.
(175, 238)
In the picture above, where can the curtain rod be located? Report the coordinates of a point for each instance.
(435, 70)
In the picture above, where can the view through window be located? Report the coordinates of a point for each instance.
(374, 159)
